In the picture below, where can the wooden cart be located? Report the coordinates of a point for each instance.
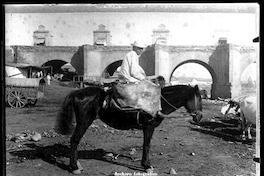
(23, 91)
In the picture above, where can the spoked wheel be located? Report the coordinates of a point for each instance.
(17, 99)
(32, 102)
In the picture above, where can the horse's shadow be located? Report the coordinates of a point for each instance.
(52, 154)
(226, 131)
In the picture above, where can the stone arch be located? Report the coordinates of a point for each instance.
(111, 68)
(56, 64)
(67, 72)
(248, 79)
(208, 67)
(204, 64)
(248, 74)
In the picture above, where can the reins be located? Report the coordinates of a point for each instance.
(195, 100)
(169, 103)
(138, 119)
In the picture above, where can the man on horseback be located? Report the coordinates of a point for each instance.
(130, 70)
(134, 92)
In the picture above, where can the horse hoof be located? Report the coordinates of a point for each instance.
(79, 166)
(197, 116)
(77, 172)
(150, 170)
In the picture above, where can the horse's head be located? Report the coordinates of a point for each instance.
(160, 80)
(194, 104)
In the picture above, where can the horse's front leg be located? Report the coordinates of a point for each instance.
(148, 132)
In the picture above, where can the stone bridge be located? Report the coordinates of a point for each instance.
(225, 62)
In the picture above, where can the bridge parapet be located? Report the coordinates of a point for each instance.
(185, 48)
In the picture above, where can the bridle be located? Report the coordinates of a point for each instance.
(171, 105)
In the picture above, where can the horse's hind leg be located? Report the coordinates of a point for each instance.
(82, 125)
(75, 139)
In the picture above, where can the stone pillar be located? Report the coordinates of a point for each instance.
(220, 63)
(220, 90)
(162, 58)
(235, 71)
(9, 54)
(92, 63)
(160, 35)
(102, 36)
(147, 60)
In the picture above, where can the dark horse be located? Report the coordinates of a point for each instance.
(87, 105)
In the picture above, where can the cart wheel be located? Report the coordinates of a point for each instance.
(17, 99)
(32, 102)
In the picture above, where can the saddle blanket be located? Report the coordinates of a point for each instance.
(143, 95)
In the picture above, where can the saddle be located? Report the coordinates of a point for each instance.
(142, 95)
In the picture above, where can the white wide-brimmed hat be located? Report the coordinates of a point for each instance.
(139, 44)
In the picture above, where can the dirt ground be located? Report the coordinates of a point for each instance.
(176, 144)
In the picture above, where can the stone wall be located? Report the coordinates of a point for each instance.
(9, 54)
(39, 55)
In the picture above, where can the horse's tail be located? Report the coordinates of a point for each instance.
(65, 116)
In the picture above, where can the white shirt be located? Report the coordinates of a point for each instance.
(48, 77)
(130, 69)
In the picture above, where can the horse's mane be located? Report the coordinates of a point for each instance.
(180, 90)
(177, 88)
(92, 83)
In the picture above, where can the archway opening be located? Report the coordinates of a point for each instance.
(61, 70)
(190, 73)
(111, 71)
(248, 79)
(55, 64)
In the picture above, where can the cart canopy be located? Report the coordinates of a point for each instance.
(22, 70)
(22, 82)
